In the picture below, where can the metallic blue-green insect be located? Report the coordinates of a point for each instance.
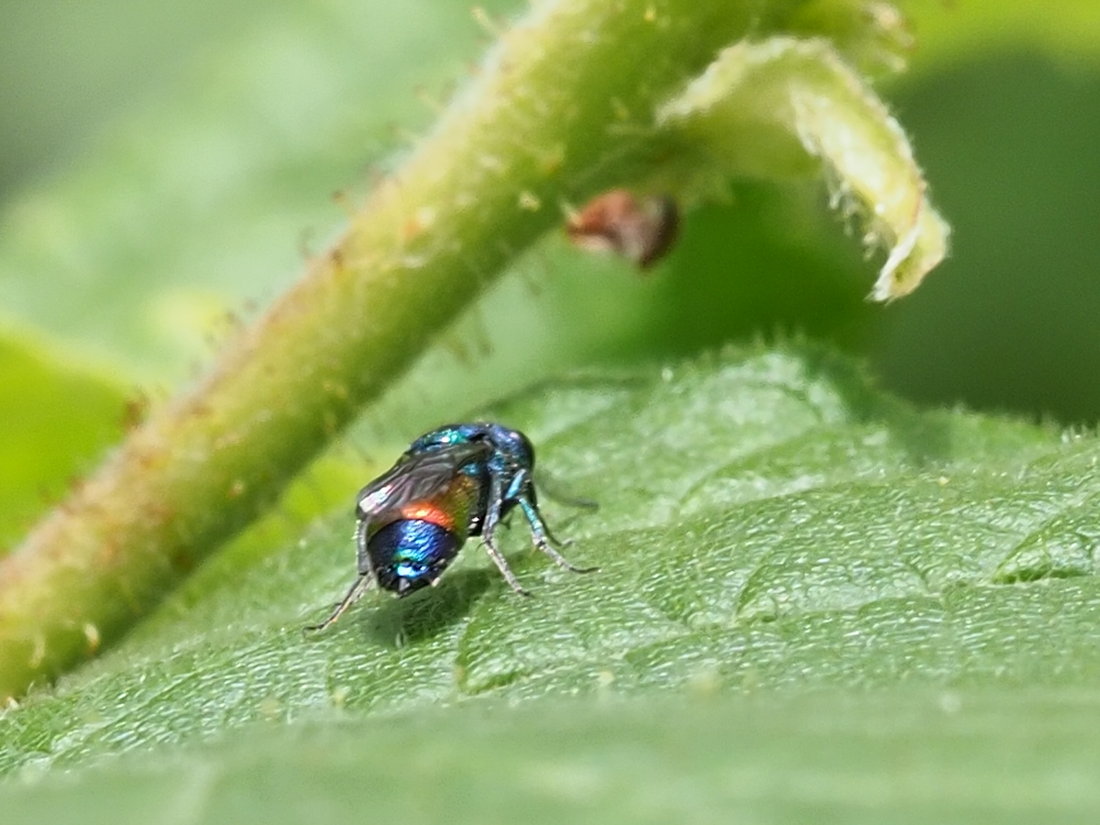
(452, 483)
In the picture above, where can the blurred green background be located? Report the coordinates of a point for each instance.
(166, 168)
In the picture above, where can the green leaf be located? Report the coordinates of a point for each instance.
(768, 524)
(950, 33)
(59, 415)
(899, 757)
(764, 107)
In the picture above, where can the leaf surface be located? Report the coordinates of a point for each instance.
(770, 526)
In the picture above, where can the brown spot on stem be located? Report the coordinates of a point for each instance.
(641, 230)
(134, 411)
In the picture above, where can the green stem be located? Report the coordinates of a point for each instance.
(563, 108)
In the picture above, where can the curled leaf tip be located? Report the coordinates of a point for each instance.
(764, 109)
(913, 255)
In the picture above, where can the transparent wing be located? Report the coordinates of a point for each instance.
(416, 477)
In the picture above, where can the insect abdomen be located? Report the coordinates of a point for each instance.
(411, 553)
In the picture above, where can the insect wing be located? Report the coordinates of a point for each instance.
(417, 477)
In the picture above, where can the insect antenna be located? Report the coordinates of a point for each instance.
(550, 488)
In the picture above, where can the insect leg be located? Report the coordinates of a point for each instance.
(544, 539)
(360, 585)
(362, 555)
(492, 508)
(502, 565)
(355, 592)
(492, 519)
(553, 539)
